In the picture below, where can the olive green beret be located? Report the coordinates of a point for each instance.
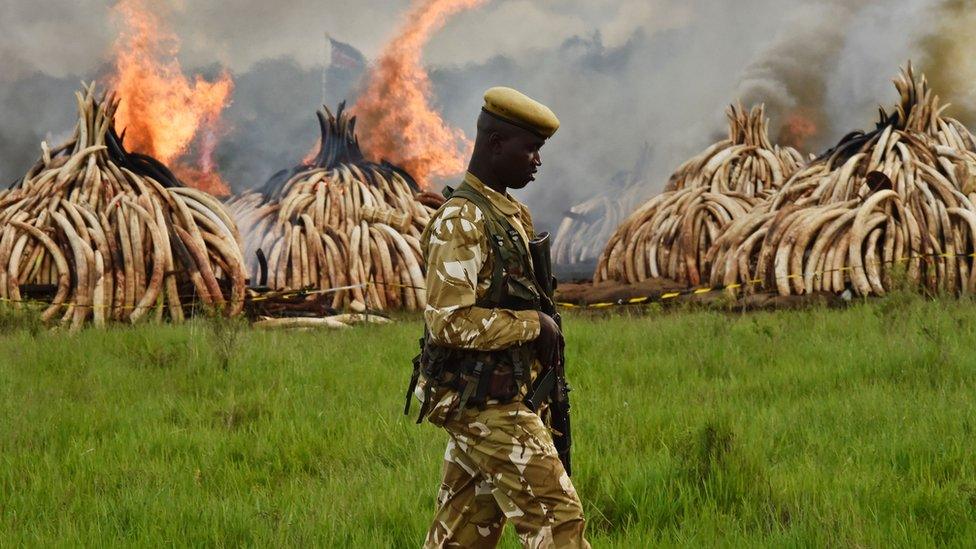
(521, 110)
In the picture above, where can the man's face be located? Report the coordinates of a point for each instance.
(516, 158)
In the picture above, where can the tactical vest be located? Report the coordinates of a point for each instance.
(483, 375)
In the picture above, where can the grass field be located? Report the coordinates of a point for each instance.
(821, 427)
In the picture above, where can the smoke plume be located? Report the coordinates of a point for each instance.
(790, 75)
(948, 58)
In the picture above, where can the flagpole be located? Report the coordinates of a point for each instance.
(325, 66)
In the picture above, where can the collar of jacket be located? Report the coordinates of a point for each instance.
(505, 203)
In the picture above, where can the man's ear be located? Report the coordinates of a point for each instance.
(495, 140)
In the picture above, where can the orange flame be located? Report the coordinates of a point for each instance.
(162, 111)
(401, 126)
(797, 130)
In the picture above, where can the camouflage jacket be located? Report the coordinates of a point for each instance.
(459, 267)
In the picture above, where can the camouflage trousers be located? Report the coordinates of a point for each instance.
(501, 465)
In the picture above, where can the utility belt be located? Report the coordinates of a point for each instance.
(476, 376)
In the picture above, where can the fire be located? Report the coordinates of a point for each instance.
(797, 130)
(162, 111)
(402, 126)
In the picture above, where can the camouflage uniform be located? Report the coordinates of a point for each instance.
(500, 461)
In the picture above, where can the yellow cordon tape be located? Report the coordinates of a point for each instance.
(666, 296)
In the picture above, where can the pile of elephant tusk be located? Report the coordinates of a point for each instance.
(898, 199)
(746, 163)
(669, 236)
(107, 234)
(339, 221)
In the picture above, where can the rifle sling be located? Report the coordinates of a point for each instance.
(500, 229)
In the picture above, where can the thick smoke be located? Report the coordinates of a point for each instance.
(949, 56)
(272, 123)
(33, 108)
(791, 74)
(618, 72)
(667, 88)
(883, 37)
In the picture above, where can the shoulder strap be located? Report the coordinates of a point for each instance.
(491, 213)
(505, 241)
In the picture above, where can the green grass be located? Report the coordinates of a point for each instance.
(813, 428)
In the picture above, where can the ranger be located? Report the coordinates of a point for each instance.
(487, 343)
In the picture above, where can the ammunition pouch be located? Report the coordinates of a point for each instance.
(477, 376)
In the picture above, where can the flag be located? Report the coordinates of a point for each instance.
(344, 56)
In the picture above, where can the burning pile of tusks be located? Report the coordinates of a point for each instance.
(898, 199)
(339, 221)
(94, 232)
(99, 233)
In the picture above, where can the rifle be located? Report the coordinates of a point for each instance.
(552, 383)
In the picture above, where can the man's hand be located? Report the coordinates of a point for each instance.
(549, 344)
